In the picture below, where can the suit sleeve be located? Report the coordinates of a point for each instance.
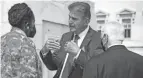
(52, 61)
(47, 60)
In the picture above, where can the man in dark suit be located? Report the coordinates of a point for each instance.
(117, 61)
(82, 43)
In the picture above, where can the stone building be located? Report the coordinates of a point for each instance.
(52, 21)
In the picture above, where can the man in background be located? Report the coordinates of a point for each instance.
(18, 53)
(117, 61)
(82, 43)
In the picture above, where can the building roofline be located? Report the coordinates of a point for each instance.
(55, 22)
(129, 9)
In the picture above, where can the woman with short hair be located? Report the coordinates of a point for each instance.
(18, 53)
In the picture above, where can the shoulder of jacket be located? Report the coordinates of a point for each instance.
(67, 33)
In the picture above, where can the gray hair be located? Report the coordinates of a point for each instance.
(114, 30)
(82, 7)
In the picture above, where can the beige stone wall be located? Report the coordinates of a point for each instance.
(56, 15)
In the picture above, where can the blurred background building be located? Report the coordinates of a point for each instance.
(52, 21)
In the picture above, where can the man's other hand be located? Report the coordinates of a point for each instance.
(72, 48)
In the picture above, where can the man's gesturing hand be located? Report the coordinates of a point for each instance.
(72, 48)
(52, 45)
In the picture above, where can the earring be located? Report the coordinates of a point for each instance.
(27, 27)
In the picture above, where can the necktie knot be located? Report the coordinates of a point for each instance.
(76, 37)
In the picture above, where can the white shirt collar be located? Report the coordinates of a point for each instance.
(114, 45)
(82, 34)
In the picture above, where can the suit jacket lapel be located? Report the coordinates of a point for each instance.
(66, 38)
(69, 37)
(87, 38)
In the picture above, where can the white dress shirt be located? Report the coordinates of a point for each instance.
(80, 40)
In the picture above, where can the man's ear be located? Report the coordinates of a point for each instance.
(87, 20)
(106, 37)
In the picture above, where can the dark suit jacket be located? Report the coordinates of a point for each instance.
(92, 47)
(116, 62)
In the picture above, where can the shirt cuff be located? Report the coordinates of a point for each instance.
(77, 54)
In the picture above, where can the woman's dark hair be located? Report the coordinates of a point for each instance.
(19, 12)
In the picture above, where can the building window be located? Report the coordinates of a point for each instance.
(100, 21)
(126, 15)
(101, 18)
(127, 26)
(127, 31)
(127, 18)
